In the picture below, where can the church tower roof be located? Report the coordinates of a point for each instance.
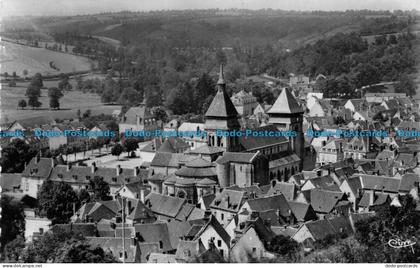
(221, 106)
(286, 104)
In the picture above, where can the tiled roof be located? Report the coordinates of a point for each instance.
(408, 182)
(287, 189)
(276, 202)
(140, 111)
(320, 229)
(217, 227)
(324, 201)
(325, 183)
(379, 198)
(10, 181)
(303, 212)
(285, 104)
(221, 106)
(373, 182)
(170, 159)
(188, 250)
(165, 205)
(40, 167)
(253, 143)
(140, 212)
(228, 200)
(236, 157)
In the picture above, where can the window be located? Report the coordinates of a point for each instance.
(160, 244)
(222, 216)
(254, 250)
(219, 243)
(221, 252)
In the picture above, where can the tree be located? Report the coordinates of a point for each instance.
(56, 201)
(130, 97)
(160, 114)
(12, 220)
(15, 155)
(55, 94)
(117, 150)
(78, 113)
(33, 92)
(405, 85)
(130, 145)
(13, 250)
(87, 113)
(64, 83)
(284, 246)
(80, 251)
(100, 189)
(37, 80)
(84, 196)
(205, 87)
(391, 222)
(22, 104)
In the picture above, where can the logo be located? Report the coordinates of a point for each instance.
(399, 243)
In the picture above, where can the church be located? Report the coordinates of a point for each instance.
(245, 161)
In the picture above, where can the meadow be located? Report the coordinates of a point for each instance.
(69, 104)
(18, 58)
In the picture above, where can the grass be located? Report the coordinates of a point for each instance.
(17, 58)
(69, 104)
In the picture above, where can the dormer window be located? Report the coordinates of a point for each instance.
(60, 175)
(114, 179)
(74, 177)
(127, 180)
(87, 177)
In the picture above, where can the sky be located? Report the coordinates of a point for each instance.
(75, 7)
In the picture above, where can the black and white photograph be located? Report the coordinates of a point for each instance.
(185, 131)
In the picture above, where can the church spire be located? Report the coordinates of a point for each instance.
(221, 80)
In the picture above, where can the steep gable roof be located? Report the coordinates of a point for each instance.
(324, 201)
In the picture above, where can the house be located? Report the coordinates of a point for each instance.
(161, 258)
(206, 152)
(320, 229)
(372, 200)
(361, 115)
(325, 202)
(156, 233)
(323, 182)
(277, 203)
(35, 225)
(169, 208)
(212, 235)
(134, 190)
(409, 183)
(352, 187)
(244, 102)
(226, 205)
(356, 105)
(321, 108)
(360, 148)
(138, 118)
(197, 140)
(189, 250)
(332, 152)
(251, 240)
(36, 172)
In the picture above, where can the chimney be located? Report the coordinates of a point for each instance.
(371, 197)
(254, 215)
(74, 208)
(136, 171)
(133, 241)
(142, 195)
(118, 170)
(207, 214)
(52, 162)
(68, 166)
(93, 167)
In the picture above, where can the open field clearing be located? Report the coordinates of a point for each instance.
(17, 58)
(69, 104)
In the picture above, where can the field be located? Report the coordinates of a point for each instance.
(17, 58)
(69, 104)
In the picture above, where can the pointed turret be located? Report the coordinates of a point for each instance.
(221, 115)
(221, 81)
